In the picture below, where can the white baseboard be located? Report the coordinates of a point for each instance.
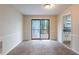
(11, 48)
(70, 48)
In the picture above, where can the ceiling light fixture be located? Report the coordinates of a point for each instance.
(48, 6)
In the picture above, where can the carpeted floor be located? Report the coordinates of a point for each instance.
(68, 43)
(41, 47)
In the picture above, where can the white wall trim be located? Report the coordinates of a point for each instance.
(11, 48)
(70, 48)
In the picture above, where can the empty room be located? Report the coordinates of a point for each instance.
(39, 29)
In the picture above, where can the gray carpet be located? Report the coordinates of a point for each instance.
(41, 47)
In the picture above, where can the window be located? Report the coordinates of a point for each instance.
(40, 29)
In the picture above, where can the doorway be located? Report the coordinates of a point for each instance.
(67, 30)
(40, 29)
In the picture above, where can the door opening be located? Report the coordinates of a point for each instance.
(40, 29)
(67, 30)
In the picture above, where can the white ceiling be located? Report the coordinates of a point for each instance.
(37, 9)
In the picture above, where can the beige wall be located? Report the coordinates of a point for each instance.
(27, 26)
(10, 27)
(74, 11)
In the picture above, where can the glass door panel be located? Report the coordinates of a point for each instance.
(44, 29)
(35, 29)
(35, 34)
(40, 29)
(35, 24)
(44, 24)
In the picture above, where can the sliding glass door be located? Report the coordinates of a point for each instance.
(35, 29)
(40, 29)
